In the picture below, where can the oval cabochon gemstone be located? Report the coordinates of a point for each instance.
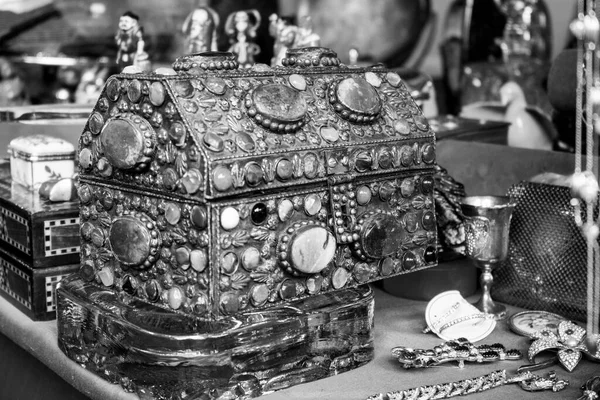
(130, 240)
(279, 102)
(122, 142)
(358, 95)
(382, 236)
(312, 249)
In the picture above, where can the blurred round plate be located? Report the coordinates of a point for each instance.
(527, 323)
(450, 305)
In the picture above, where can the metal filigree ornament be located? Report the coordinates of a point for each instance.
(526, 380)
(571, 343)
(459, 350)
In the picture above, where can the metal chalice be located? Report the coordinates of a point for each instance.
(487, 223)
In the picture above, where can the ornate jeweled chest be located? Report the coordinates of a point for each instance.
(216, 190)
(238, 211)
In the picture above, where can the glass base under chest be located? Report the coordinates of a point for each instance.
(159, 354)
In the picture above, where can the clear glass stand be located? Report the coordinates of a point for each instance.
(159, 354)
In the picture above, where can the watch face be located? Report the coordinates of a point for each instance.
(527, 323)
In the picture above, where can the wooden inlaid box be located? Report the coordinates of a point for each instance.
(40, 233)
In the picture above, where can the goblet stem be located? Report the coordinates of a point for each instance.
(486, 304)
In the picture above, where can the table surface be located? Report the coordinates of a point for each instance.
(397, 322)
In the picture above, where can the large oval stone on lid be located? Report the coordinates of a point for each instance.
(359, 96)
(130, 240)
(311, 249)
(280, 103)
(126, 141)
(381, 236)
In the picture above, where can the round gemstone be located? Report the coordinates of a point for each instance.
(382, 236)
(191, 180)
(183, 88)
(361, 272)
(213, 142)
(157, 94)
(250, 258)
(411, 222)
(95, 123)
(386, 191)
(259, 213)
(314, 283)
(245, 142)
(169, 178)
(288, 289)
(409, 261)
(373, 78)
(177, 133)
(363, 161)
(312, 248)
(339, 278)
(406, 155)
(106, 276)
(230, 218)
(297, 82)
(87, 270)
(387, 266)
(402, 127)
(385, 158)
(222, 178)
(285, 210)
(123, 141)
(129, 240)
(330, 134)
(363, 195)
(393, 79)
(427, 184)
(311, 165)
(175, 298)
(113, 89)
(165, 71)
(97, 237)
(182, 255)
(229, 263)
(359, 96)
(172, 213)
(199, 217)
(421, 122)
(312, 204)
(428, 153)
(153, 290)
(430, 255)
(198, 260)
(85, 158)
(407, 187)
(429, 221)
(85, 193)
(284, 169)
(230, 303)
(279, 102)
(254, 174)
(134, 91)
(215, 85)
(259, 294)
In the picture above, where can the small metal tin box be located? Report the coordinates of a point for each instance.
(38, 158)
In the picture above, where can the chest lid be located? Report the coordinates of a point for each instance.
(41, 148)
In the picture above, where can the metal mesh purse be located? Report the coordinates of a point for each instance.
(546, 265)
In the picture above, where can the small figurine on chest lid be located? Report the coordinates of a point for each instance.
(284, 32)
(130, 42)
(241, 28)
(200, 30)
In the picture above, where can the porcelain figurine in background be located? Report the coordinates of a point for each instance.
(241, 28)
(284, 32)
(200, 30)
(130, 42)
(12, 87)
(305, 37)
(529, 127)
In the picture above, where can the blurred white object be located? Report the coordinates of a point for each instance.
(529, 127)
